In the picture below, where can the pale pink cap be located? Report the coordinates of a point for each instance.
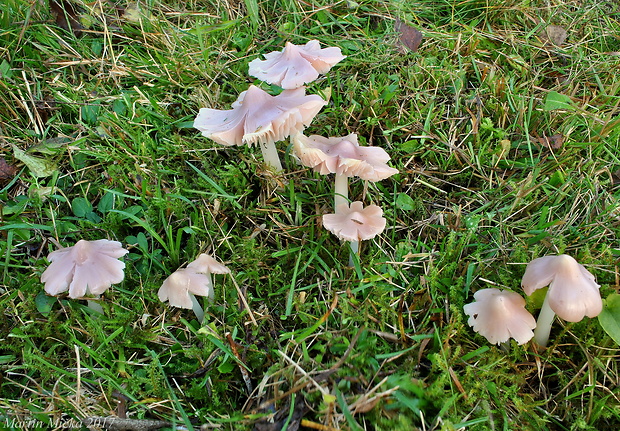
(355, 223)
(573, 292)
(87, 268)
(342, 156)
(206, 264)
(499, 315)
(176, 289)
(258, 117)
(295, 65)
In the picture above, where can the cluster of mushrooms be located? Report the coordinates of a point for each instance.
(90, 267)
(573, 294)
(257, 117)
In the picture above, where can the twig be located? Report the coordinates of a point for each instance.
(309, 424)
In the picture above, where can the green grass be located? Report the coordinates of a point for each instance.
(107, 117)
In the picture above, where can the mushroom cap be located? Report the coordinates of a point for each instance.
(342, 156)
(355, 223)
(256, 116)
(88, 267)
(176, 289)
(573, 292)
(295, 65)
(499, 315)
(206, 264)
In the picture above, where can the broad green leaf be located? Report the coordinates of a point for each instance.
(44, 303)
(81, 207)
(90, 113)
(610, 317)
(225, 368)
(106, 203)
(119, 107)
(5, 69)
(39, 167)
(555, 100)
(143, 243)
(405, 202)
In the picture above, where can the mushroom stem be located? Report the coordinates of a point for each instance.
(197, 308)
(341, 197)
(95, 306)
(341, 191)
(270, 155)
(355, 249)
(543, 324)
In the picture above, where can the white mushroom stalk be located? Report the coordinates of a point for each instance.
(341, 190)
(573, 292)
(257, 117)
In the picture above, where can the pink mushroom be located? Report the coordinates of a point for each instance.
(87, 268)
(355, 223)
(573, 292)
(344, 157)
(180, 288)
(295, 65)
(258, 117)
(499, 315)
(206, 264)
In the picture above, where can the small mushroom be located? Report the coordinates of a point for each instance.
(295, 65)
(344, 157)
(180, 288)
(355, 223)
(499, 315)
(87, 268)
(573, 292)
(258, 117)
(206, 264)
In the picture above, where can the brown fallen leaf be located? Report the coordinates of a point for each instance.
(276, 421)
(7, 172)
(45, 108)
(408, 36)
(554, 141)
(66, 16)
(554, 35)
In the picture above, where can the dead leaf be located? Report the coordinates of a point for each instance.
(7, 172)
(66, 16)
(45, 108)
(554, 141)
(39, 167)
(276, 421)
(409, 37)
(554, 34)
